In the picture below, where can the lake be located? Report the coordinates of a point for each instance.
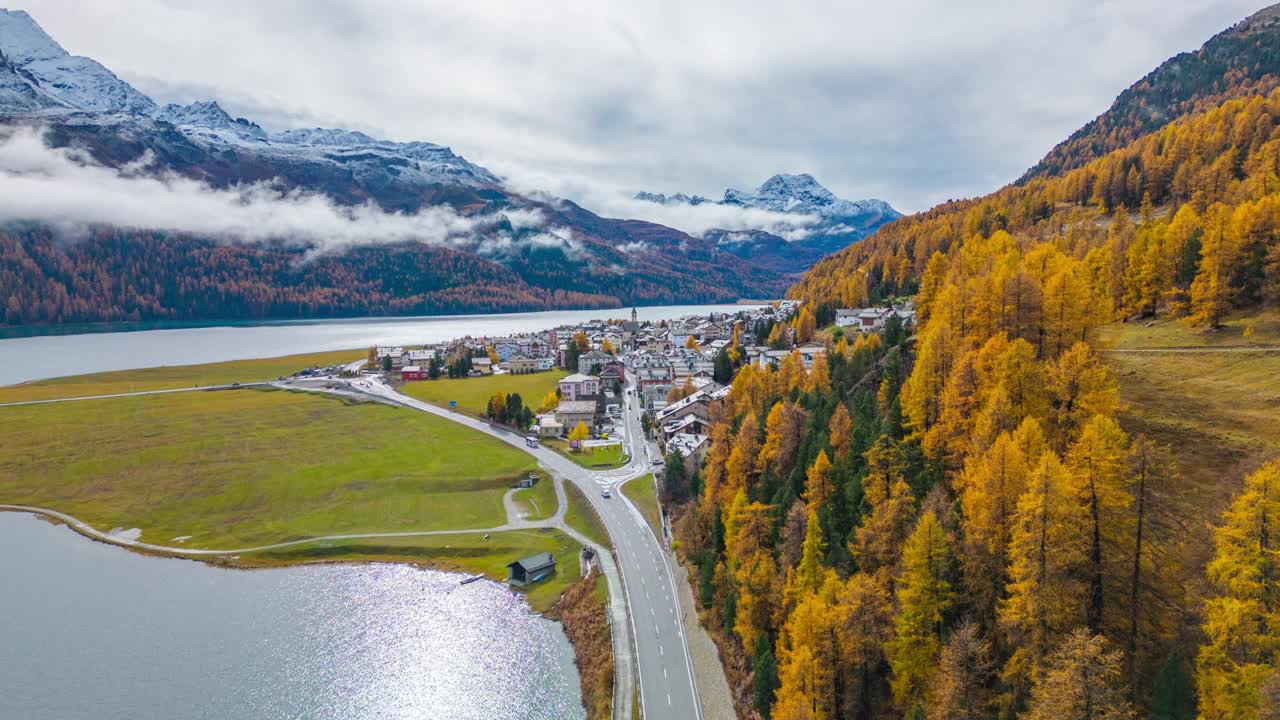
(95, 632)
(33, 358)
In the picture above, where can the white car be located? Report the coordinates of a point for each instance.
(604, 492)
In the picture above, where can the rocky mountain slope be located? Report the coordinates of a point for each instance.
(1241, 61)
(823, 224)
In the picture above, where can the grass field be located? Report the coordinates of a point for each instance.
(1265, 328)
(1219, 411)
(538, 502)
(467, 552)
(642, 492)
(600, 457)
(472, 394)
(247, 467)
(582, 518)
(161, 378)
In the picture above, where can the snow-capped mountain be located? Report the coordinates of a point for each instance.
(37, 76)
(802, 194)
(568, 257)
(824, 223)
(56, 79)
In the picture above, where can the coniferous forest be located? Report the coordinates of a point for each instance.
(951, 520)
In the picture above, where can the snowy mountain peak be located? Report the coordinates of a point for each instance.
(207, 117)
(56, 77)
(333, 137)
(24, 41)
(37, 76)
(801, 187)
(676, 199)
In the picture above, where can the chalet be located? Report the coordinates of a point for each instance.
(506, 349)
(482, 365)
(651, 343)
(413, 372)
(863, 319)
(693, 448)
(397, 355)
(697, 405)
(688, 424)
(571, 413)
(421, 358)
(520, 365)
(531, 569)
(654, 375)
(549, 426)
(771, 357)
(592, 361)
(810, 352)
(576, 386)
(545, 363)
(613, 371)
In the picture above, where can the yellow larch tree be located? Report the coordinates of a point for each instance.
(1242, 616)
(1211, 290)
(1079, 387)
(924, 597)
(1046, 557)
(1098, 463)
(1084, 681)
(841, 436)
(991, 487)
(818, 489)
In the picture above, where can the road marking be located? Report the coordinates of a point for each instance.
(668, 698)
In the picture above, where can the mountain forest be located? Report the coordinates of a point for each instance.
(964, 521)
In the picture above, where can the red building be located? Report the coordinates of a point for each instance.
(412, 372)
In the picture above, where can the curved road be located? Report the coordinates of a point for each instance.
(668, 690)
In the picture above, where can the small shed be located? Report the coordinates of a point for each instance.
(531, 569)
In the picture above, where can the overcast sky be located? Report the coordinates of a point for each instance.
(912, 101)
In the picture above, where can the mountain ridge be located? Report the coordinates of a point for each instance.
(1239, 61)
(824, 223)
(80, 104)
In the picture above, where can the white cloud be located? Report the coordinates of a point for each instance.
(65, 188)
(696, 220)
(913, 101)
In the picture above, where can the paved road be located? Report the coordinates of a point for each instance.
(132, 394)
(1198, 349)
(664, 670)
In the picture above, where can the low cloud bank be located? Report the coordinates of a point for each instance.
(68, 190)
(696, 220)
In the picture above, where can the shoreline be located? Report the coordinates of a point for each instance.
(571, 624)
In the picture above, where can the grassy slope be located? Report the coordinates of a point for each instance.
(468, 552)
(599, 457)
(582, 518)
(473, 394)
(243, 467)
(539, 502)
(1217, 411)
(161, 378)
(642, 492)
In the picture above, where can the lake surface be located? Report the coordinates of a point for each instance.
(33, 358)
(94, 632)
